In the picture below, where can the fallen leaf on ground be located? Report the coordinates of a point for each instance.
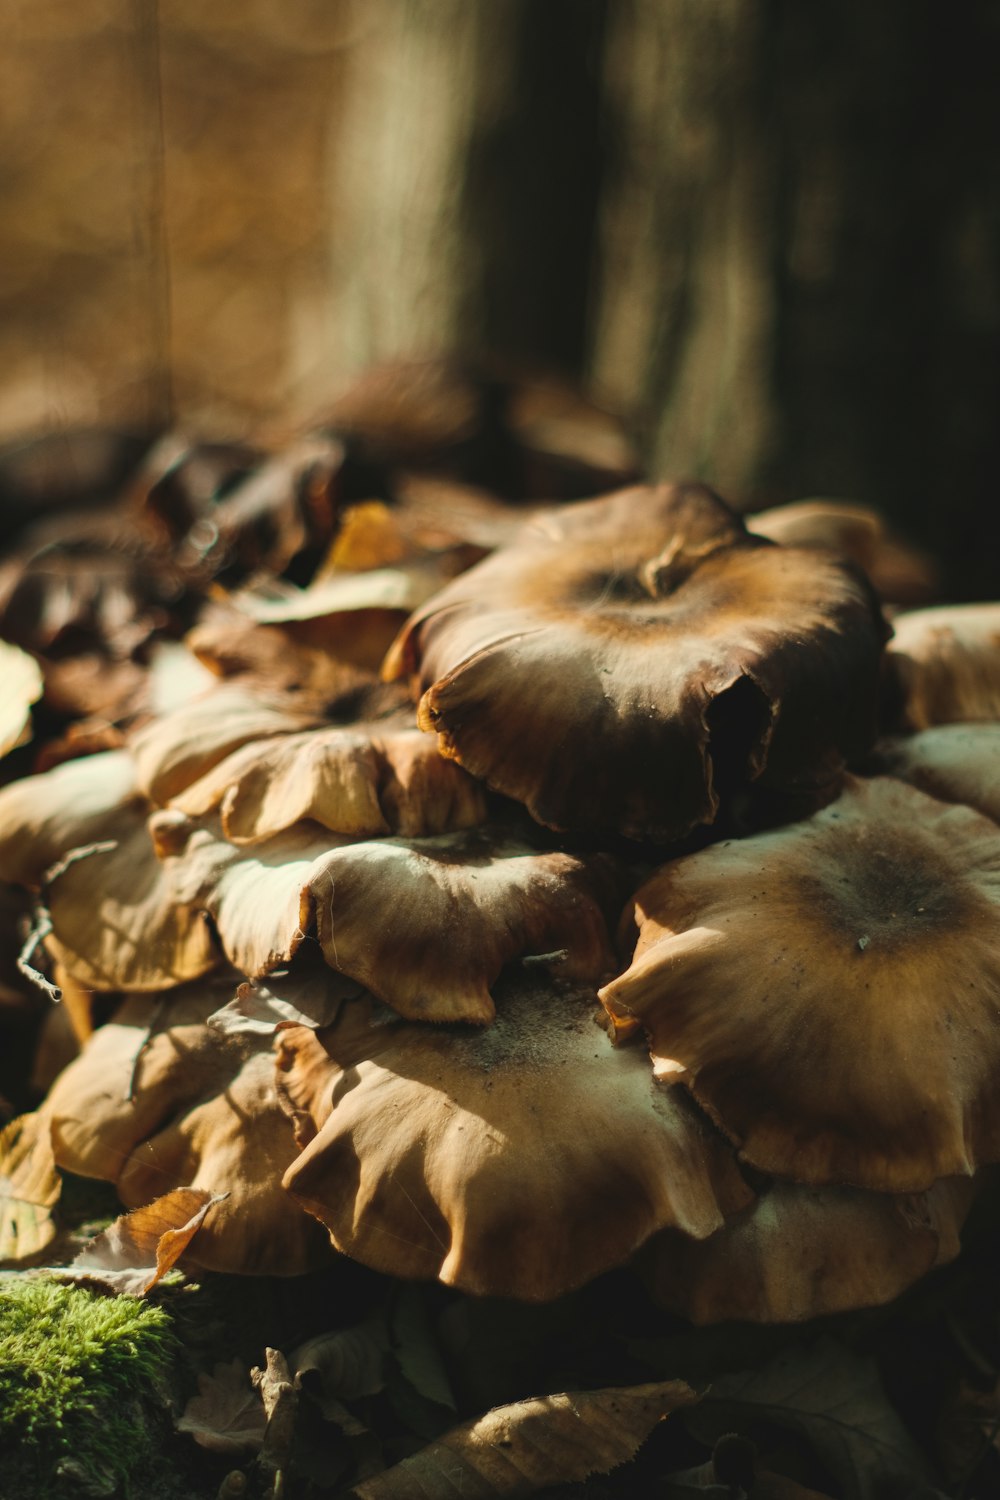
(519, 1449)
(346, 1362)
(138, 1249)
(834, 1400)
(227, 1415)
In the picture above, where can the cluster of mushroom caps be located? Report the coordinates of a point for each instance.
(598, 927)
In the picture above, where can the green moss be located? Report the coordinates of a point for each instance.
(75, 1370)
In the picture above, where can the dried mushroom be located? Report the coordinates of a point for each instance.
(627, 659)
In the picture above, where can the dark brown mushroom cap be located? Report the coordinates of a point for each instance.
(188, 1106)
(517, 1161)
(953, 762)
(805, 1252)
(943, 665)
(830, 992)
(626, 654)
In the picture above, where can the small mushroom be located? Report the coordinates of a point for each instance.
(830, 992)
(943, 665)
(626, 655)
(519, 1161)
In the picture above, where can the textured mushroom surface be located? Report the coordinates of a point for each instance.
(953, 762)
(944, 665)
(358, 779)
(520, 1161)
(625, 658)
(830, 992)
(187, 1105)
(806, 1252)
(43, 817)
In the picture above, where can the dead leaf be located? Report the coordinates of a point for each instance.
(22, 686)
(29, 1188)
(522, 1448)
(834, 1400)
(281, 1401)
(139, 1248)
(345, 1363)
(227, 1415)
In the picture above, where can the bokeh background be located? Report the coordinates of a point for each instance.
(768, 232)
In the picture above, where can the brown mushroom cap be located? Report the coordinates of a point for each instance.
(944, 665)
(43, 817)
(900, 574)
(805, 1252)
(426, 924)
(517, 1161)
(360, 779)
(587, 668)
(830, 993)
(188, 1106)
(953, 762)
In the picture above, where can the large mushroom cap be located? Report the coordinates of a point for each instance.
(900, 574)
(517, 1161)
(830, 993)
(624, 655)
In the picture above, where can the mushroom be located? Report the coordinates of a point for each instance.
(830, 992)
(899, 573)
(191, 1105)
(943, 665)
(626, 659)
(805, 1252)
(953, 762)
(520, 1160)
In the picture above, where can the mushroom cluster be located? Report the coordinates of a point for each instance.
(504, 895)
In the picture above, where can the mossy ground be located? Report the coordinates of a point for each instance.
(77, 1372)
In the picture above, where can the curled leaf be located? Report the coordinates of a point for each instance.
(529, 1445)
(227, 1415)
(138, 1249)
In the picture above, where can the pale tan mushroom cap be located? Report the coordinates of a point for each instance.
(830, 992)
(585, 669)
(361, 780)
(805, 1252)
(944, 664)
(188, 1106)
(426, 924)
(21, 684)
(517, 1161)
(953, 762)
(43, 817)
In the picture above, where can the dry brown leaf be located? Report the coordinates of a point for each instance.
(29, 1188)
(526, 1446)
(346, 1362)
(227, 1415)
(139, 1248)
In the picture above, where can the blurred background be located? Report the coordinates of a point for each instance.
(768, 233)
